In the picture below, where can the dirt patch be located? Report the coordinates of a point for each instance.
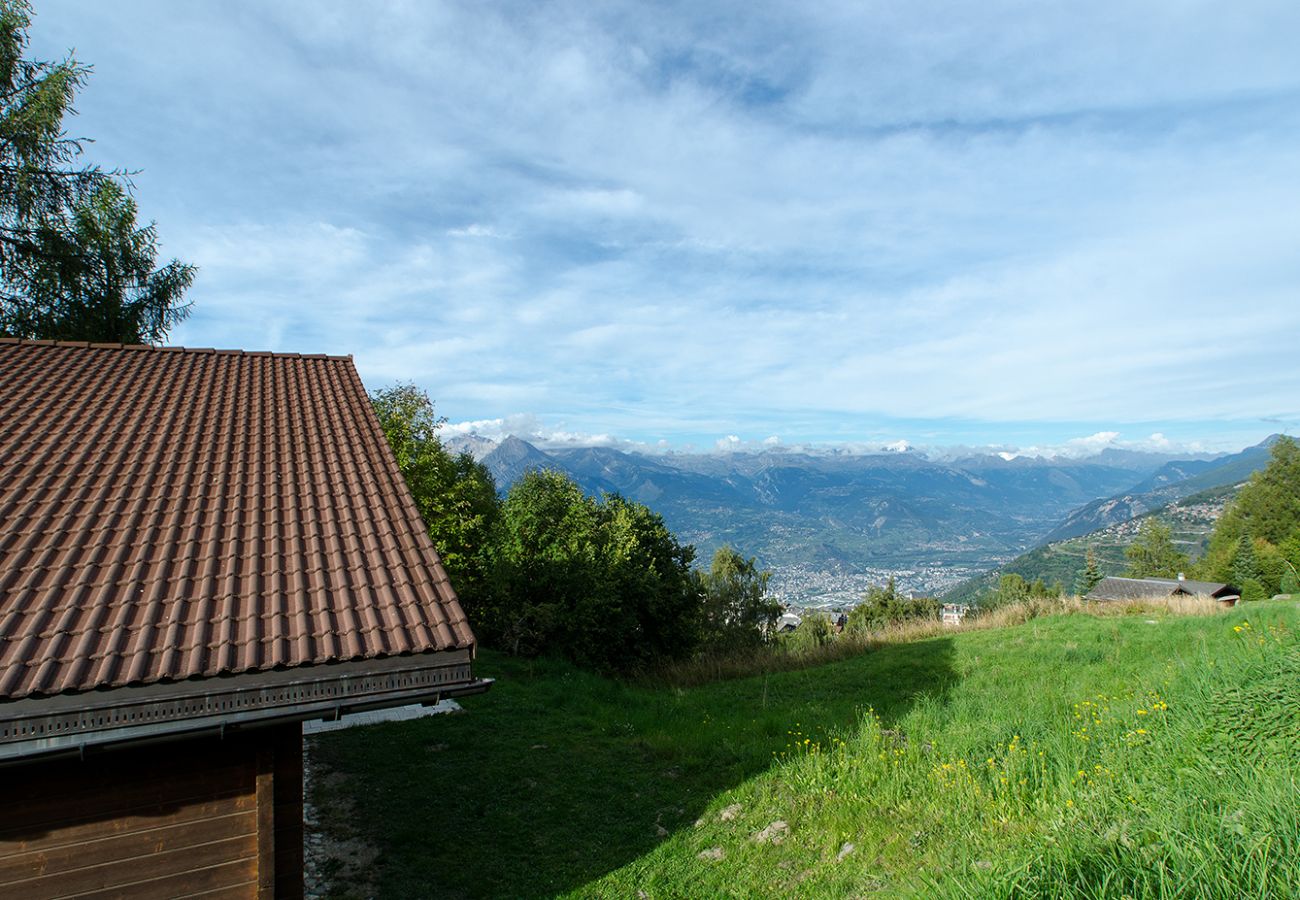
(338, 861)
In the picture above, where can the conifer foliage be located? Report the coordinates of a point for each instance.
(74, 263)
(1089, 576)
(1256, 543)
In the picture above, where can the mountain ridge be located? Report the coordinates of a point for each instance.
(825, 519)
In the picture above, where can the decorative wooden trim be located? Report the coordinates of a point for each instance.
(46, 725)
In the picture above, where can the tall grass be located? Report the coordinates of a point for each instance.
(1139, 750)
(795, 651)
(1183, 789)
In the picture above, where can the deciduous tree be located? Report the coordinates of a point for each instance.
(603, 582)
(1258, 536)
(1153, 554)
(455, 495)
(737, 610)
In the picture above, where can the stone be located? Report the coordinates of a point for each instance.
(773, 834)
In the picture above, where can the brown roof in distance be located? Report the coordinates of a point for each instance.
(170, 513)
(1115, 588)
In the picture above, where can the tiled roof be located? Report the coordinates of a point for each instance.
(1115, 588)
(171, 513)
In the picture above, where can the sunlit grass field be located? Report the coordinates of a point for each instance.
(1145, 755)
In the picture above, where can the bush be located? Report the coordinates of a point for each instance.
(603, 583)
(885, 606)
(1013, 589)
(1290, 583)
(814, 631)
(1252, 590)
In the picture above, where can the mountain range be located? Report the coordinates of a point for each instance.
(823, 521)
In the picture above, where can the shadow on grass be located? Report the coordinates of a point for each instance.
(557, 777)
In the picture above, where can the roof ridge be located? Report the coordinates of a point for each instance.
(170, 349)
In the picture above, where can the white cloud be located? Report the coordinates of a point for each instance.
(474, 230)
(1091, 445)
(530, 428)
(843, 222)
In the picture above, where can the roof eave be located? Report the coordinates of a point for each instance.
(74, 723)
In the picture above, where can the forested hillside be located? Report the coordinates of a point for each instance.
(1171, 482)
(1191, 521)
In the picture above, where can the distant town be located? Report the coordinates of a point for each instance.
(809, 587)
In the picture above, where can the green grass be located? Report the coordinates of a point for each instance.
(1144, 755)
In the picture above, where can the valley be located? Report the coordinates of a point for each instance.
(831, 524)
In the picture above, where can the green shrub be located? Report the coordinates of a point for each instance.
(1290, 583)
(601, 582)
(1252, 590)
(816, 630)
(886, 606)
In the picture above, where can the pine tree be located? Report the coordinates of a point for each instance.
(74, 264)
(1090, 575)
(1245, 565)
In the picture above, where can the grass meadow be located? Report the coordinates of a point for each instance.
(1149, 752)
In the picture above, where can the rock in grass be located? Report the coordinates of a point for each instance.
(773, 834)
(730, 812)
(844, 851)
(712, 853)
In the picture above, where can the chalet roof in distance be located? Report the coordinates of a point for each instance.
(1115, 588)
(170, 513)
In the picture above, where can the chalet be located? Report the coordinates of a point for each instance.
(1162, 588)
(954, 613)
(199, 550)
(788, 621)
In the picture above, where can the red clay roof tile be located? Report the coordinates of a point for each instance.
(191, 513)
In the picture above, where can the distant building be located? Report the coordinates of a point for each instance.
(954, 613)
(1162, 588)
(788, 622)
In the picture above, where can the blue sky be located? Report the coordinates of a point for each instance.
(1009, 223)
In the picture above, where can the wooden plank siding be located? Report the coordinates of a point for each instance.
(204, 816)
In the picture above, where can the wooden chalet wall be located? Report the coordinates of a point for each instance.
(216, 816)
